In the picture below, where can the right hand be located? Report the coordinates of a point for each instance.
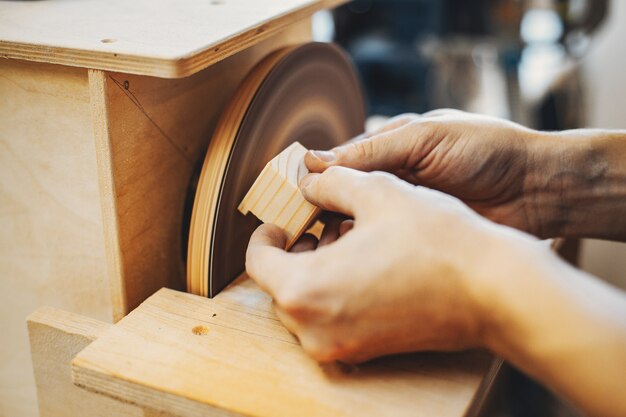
(487, 162)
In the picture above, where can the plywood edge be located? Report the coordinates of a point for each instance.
(164, 67)
(92, 378)
(100, 121)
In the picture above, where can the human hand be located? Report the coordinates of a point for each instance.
(499, 168)
(412, 273)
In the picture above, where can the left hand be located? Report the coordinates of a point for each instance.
(415, 272)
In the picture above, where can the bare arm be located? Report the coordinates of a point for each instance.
(560, 325)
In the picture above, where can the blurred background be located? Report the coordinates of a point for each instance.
(548, 64)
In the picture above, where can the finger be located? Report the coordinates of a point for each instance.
(286, 319)
(331, 231)
(345, 227)
(267, 263)
(306, 242)
(387, 151)
(344, 190)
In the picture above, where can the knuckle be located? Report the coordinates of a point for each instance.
(363, 149)
(322, 351)
(292, 299)
(300, 301)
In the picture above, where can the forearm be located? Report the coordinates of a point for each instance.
(563, 327)
(576, 184)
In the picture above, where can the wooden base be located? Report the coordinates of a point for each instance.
(192, 356)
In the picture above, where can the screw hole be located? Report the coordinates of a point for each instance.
(108, 40)
(200, 330)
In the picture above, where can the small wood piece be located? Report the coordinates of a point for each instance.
(192, 356)
(275, 197)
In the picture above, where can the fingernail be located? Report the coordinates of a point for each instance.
(324, 156)
(306, 180)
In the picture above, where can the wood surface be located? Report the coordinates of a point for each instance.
(309, 93)
(151, 135)
(275, 197)
(56, 337)
(193, 356)
(51, 245)
(164, 38)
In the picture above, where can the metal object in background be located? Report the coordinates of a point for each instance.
(417, 55)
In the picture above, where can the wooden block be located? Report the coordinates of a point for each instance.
(192, 356)
(55, 338)
(275, 197)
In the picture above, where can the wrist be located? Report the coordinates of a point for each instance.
(570, 177)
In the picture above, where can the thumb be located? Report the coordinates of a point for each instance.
(386, 151)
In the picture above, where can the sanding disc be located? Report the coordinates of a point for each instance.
(307, 93)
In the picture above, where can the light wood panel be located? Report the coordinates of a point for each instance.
(164, 38)
(51, 246)
(194, 356)
(151, 136)
(275, 197)
(56, 337)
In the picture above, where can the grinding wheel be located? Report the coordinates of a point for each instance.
(308, 93)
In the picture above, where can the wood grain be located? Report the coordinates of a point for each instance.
(193, 356)
(51, 245)
(164, 38)
(275, 197)
(56, 337)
